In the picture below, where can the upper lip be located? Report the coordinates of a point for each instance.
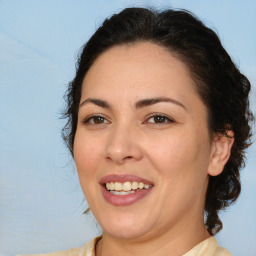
(123, 178)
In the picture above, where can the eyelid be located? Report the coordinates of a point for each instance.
(168, 118)
(86, 120)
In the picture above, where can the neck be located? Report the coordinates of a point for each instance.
(175, 242)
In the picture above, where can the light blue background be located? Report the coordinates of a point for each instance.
(41, 203)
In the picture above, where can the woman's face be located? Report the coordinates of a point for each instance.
(142, 133)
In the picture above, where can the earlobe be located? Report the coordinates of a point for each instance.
(221, 150)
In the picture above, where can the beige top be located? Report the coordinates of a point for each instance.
(208, 247)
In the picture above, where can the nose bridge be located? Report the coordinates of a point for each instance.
(123, 144)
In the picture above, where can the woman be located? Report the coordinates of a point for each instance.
(158, 123)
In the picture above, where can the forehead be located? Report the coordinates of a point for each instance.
(140, 57)
(142, 68)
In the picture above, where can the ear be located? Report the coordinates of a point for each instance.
(221, 150)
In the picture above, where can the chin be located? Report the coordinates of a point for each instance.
(125, 232)
(125, 227)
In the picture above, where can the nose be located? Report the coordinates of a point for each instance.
(123, 145)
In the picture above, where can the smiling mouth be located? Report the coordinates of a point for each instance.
(126, 188)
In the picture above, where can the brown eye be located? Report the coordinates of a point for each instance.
(98, 120)
(159, 119)
(94, 120)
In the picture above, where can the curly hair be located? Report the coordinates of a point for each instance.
(219, 83)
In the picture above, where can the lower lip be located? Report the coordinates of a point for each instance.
(123, 200)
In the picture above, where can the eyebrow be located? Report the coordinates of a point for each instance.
(98, 102)
(138, 105)
(152, 101)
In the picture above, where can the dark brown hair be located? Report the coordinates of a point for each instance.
(221, 86)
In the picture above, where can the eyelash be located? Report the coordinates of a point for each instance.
(155, 115)
(87, 120)
(167, 120)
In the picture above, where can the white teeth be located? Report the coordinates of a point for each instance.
(125, 187)
(141, 185)
(135, 185)
(122, 193)
(112, 186)
(146, 186)
(118, 186)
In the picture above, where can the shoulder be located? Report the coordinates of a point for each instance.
(70, 252)
(86, 250)
(222, 252)
(208, 247)
(219, 251)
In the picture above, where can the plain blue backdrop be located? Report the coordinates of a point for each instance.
(41, 203)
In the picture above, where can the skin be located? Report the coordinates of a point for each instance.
(175, 152)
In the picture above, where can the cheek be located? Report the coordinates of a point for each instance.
(179, 155)
(87, 154)
(171, 151)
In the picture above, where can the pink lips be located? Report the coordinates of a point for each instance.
(123, 200)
